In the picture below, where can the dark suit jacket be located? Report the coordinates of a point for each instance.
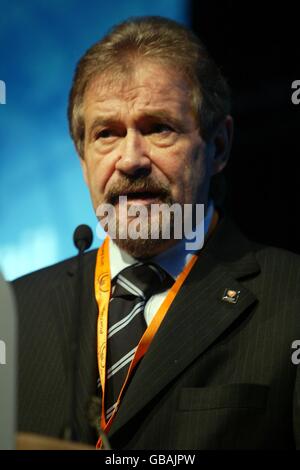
(217, 375)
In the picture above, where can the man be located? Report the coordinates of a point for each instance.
(201, 358)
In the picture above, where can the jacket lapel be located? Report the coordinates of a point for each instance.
(197, 317)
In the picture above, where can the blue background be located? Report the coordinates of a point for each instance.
(42, 193)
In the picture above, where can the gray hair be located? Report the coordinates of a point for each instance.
(162, 40)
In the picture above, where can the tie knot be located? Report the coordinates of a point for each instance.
(142, 280)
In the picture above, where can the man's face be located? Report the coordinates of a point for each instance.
(142, 140)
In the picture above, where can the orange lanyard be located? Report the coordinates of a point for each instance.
(103, 292)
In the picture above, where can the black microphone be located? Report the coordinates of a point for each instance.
(82, 237)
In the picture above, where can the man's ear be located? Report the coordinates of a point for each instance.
(84, 170)
(222, 142)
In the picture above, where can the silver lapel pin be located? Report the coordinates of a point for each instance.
(231, 296)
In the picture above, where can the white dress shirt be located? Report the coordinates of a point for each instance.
(172, 260)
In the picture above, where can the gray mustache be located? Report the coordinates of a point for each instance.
(146, 186)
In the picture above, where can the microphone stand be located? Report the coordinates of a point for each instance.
(82, 239)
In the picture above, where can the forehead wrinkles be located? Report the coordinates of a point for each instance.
(141, 88)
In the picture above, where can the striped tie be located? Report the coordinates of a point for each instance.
(126, 324)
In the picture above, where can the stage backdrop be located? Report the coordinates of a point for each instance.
(42, 194)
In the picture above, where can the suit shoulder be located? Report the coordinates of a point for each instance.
(271, 254)
(279, 262)
(53, 272)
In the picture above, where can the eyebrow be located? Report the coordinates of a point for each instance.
(100, 121)
(161, 115)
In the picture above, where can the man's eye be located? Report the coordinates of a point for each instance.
(104, 134)
(159, 128)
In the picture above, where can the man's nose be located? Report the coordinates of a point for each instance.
(134, 158)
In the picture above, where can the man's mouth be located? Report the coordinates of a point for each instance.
(139, 197)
